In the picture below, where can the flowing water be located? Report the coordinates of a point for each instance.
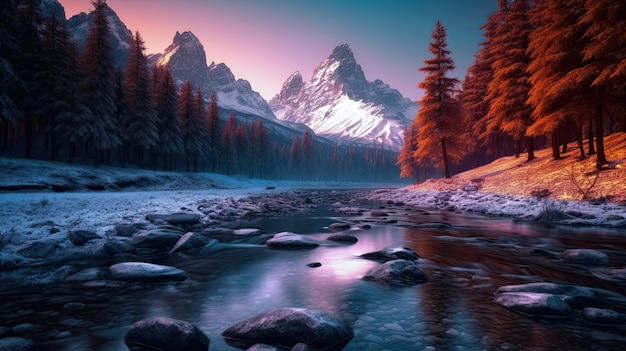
(454, 310)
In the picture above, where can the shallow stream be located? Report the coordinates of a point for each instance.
(454, 310)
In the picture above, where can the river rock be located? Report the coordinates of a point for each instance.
(535, 304)
(79, 237)
(548, 299)
(183, 218)
(611, 273)
(343, 237)
(585, 256)
(38, 248)
(156, 238)
(146, 272)
(125, 230)
(190, 241)
(602, 316)
(246, 231)
(166, 334)
(291, 240)
(392, 253)
(17, 344)
(287, 327)
(88, 274)
(379, 213)
(339, 226)
(397, 272)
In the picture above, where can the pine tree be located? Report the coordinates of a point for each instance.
(56, 77)
(294, 164)
(441, 138)
(509, 88)
(28, 61)
(141, 123)
(308, 153)
(166, 106)
(10, 81)
(99, 83)
(408, 163)
(260, 150)
(242, 147)
(214, 133)
(230, 158)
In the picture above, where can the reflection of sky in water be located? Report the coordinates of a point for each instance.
(453, 310)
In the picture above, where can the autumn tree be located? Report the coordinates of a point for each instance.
(230, 162)
(509, 89)
(408, 164)
(214, 132)
(441, 138)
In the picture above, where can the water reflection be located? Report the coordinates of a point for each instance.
(453, 310)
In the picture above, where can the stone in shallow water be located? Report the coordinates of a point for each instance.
(339, 226)
(585, 256)
(397, 272)
(146, 272)
(156, 239)
(166, 334)
(617, 274)
(287, 327)
(291, 240)
(602, 316)
(191, 241)
(246, 231)
(392, 253)
(343, 237)
(16, 344)
(535, 304)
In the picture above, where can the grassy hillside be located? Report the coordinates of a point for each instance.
(567, 178)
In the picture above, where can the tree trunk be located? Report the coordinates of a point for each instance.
(592, 151)
(555, 145)
(446, 170)
(599, 123)
(579, 139)
(530, 148)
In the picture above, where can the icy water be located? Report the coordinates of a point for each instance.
(452, 311)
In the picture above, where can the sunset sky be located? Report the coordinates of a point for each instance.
(265, 41)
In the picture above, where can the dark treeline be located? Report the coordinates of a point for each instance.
(548, 73)
(64, 105)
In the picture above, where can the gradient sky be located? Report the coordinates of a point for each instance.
(265, 41)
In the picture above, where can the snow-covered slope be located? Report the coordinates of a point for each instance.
(122, 37)
(187, 60)
(341, 104)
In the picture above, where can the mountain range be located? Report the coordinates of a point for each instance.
(338, 102)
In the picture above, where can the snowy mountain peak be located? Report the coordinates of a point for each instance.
(341, 104)
(188, 62)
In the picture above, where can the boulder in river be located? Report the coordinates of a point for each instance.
(287, 327)
(343, 237)
(339, 226)
(392, 253)
(146, 272)
(602, 316)
(166, 334)
(17, 344)
(191, 240)
(548, 299)
(159, 239)
(397, 272)
(291, 240)
(610, 273)
(585, 256)
(80, 236)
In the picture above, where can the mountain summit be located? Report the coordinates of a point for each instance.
(341, 104)
(187, 60)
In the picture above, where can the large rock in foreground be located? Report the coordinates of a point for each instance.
(146, 272)
(286, 327)
(165, 334)
(589, 256)
(397, 272)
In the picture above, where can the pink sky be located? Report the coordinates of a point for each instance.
(266, 41)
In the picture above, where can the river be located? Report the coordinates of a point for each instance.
(453, 310)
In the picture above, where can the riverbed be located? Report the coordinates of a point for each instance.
(467, 257)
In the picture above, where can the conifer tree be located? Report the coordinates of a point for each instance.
(10, 82)
(259, 150)
(56, 77)
(555, 48)
(214, 133)
(509, 88)
(28, 61)
(441, 138)
(166, 106)
(408, 163)
(242, 147)
(141, 123)
(308, 154)
(230, 158)
(294, 164)
(99, 83)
